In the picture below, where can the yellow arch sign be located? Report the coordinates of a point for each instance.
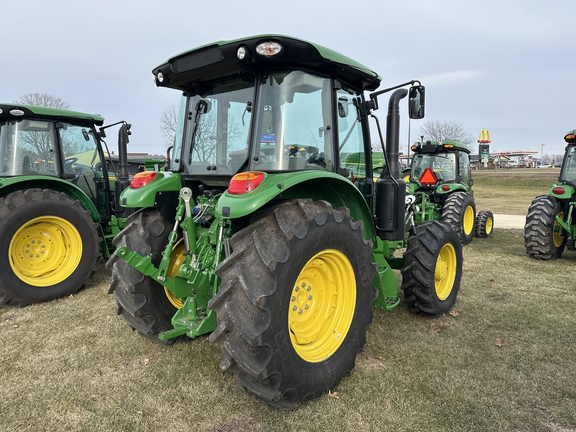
(484, 136)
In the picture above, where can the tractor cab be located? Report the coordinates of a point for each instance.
(261, 106)
(568, 171)
(40, 144)
(437, 163)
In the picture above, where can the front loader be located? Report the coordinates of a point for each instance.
(551, 219)
(268, 230)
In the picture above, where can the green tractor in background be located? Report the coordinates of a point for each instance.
(268, 230)
(439, 183)
(59, 208)
(551, 219)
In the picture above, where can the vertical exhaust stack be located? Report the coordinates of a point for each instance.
(393, 132)
(123, 152)
(390, 188)
(123, 179)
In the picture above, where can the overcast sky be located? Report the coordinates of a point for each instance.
(500, 65)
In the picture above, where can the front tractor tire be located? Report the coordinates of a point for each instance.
(460, 210)
(544, 238)
(143, 303)
(295, 301)
(484, 224)
(49, 246)
(433, 269)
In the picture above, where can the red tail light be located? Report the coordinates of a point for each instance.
(142, 179)
(558, 190)
(245, 182)
(428, 177)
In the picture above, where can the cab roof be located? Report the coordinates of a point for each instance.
(219, 59)
(17, 111)
(436, 146)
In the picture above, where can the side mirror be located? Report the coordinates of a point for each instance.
(416, 102)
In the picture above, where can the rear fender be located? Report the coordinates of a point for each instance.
(453, 187)
(9, 185)
(316, 185)
(13, 184)
(568, 193)
(145, 196)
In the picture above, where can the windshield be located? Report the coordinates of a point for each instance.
(442, 164)
(568, 172)
(291, 121)
(293, 129)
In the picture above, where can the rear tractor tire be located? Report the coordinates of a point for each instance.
(144, 304)
(49, 246)
(544, 238)
(460, 211)
(431, 276)
(295, 301)
(484, 224)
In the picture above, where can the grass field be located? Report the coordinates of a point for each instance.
(510, 191)
(503, 360)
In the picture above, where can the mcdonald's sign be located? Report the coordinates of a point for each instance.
(484, 136)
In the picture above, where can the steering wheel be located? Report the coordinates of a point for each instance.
(70, 160)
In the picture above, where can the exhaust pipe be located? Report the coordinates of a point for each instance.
(390, 188)
(123, 141)
(393, 132)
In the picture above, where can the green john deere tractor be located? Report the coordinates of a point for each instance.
(439, 182)
(58, 201)
(268, 230)
(551, 219)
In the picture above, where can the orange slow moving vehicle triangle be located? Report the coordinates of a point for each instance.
(428, 177)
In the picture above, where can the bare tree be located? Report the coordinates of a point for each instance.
(443, 130)
(44, 100)
(41, 142)
(168, 123)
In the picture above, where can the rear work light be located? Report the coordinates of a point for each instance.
(268, 49)
(245, 182)
(142, 179)
(428, 177)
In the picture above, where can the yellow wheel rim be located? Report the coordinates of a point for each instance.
(45, 251)
(445, 272)
(177, 258)
(322, 305)
(489, 225)
(468, 220)
(556, 236)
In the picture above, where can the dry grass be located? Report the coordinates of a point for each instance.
(510, 191)
(504, 361)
